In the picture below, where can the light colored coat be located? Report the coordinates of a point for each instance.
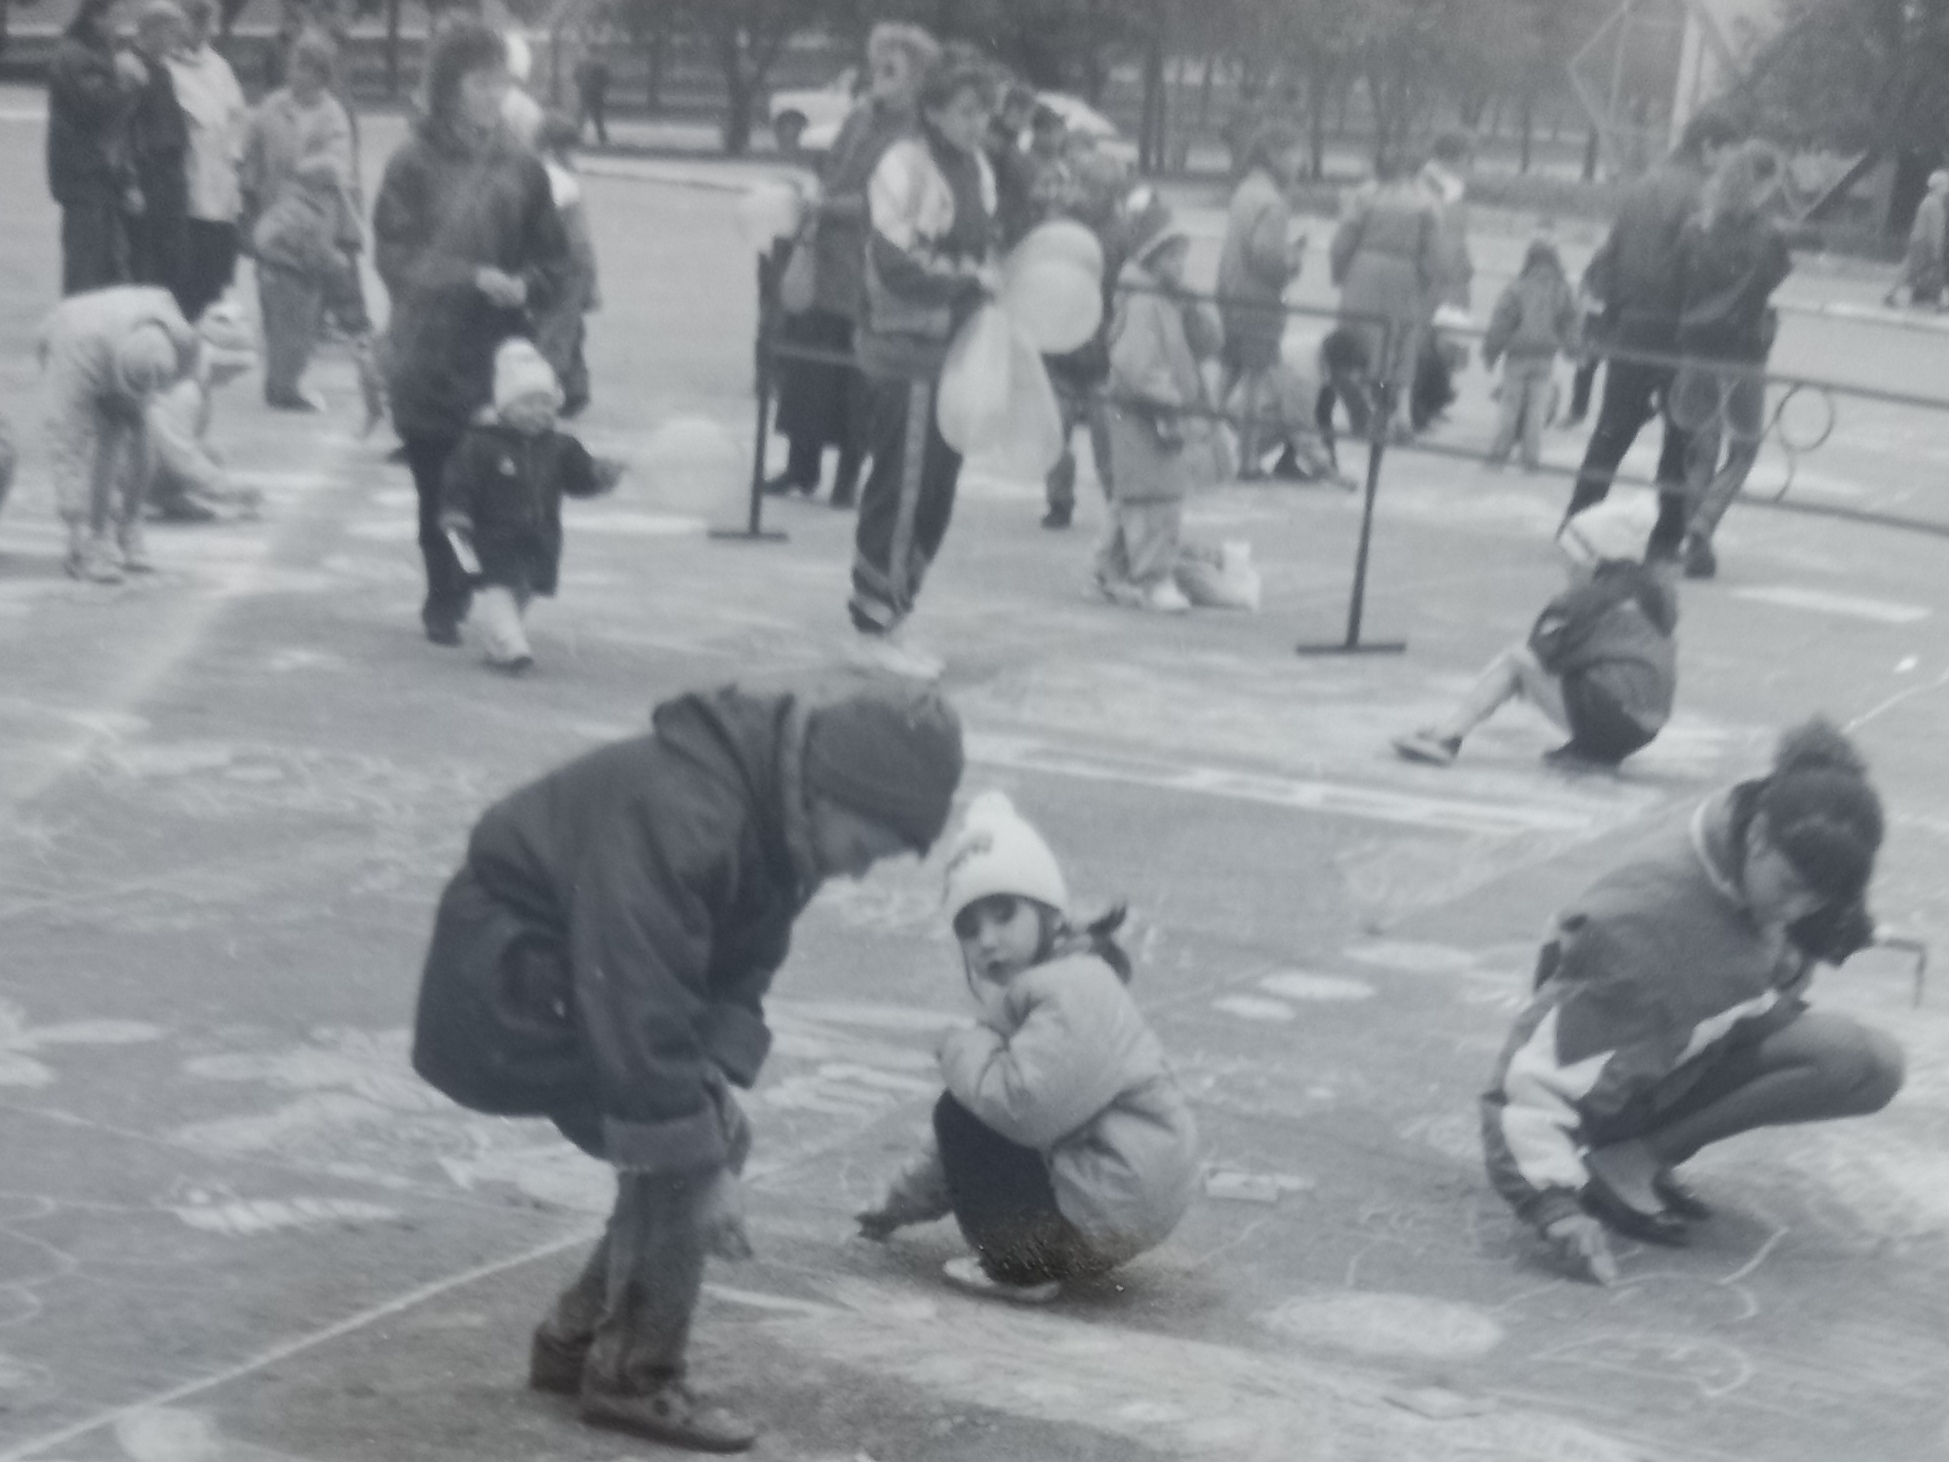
(1156, 342)
(213, 102)
(1068, 1065)
(1254, 270)
(1387, 263)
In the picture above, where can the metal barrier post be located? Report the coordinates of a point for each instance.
(754, 530)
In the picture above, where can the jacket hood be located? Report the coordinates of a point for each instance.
(756, 744)
(1654, 596)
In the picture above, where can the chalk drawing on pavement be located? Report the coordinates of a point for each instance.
(1254, 1007)
(1413, 957)
(1823, 601)
(22, 1045)
(1303, 985)
(1401, 1326)
(244, 1218)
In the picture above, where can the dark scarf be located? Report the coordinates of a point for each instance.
(969, 237)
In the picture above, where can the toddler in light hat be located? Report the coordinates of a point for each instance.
(1063, 1145)
(1600, 662)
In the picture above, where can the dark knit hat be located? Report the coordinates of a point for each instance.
(889, 753)
(1822, 812)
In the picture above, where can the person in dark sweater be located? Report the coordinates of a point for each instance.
(1731, 258)
(502, 500)
(159, 154)
(1635, 274)
(1670, 1008)
(602, 959)
(1600, 662)
(91, 89)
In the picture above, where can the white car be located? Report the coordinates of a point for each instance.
(809, 118)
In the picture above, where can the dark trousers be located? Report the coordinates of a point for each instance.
(1580, 387)
(94, 245)
(158, 245)
(629, 1310)
(905, 506)
(1005, 1203)
(293, 311)
(448, 590)
(595, 108)
(1081, 404)
(1633, 393)
(209, 265)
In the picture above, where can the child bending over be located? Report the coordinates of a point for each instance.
(502, 500)
(1063, 1144)
(1600, 662)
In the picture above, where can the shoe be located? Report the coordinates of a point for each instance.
(889, 654)
(1290, 469)
(134, 553)
(965, 1273)
(514, 668)
(1165, 597)
(1568, 758)
(1057, 517)
(845, 501)
(441, 631)
(1678, 1198)
(1699, 559)
(183, 509)
(1428, 748)
(555, 1365)
(1663, 1228)
(92, 561)
(785, 485)
(1121, 593)
(297, 401)
(672, 1414)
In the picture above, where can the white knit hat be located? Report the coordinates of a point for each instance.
(1613, 531)
(996, 851)
(521, 370)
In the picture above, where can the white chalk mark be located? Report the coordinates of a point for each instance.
(1759, 1257)
(1822, 601)
(1344, 799)
(1876, 711)
(1375, 1323)
(248, 1218)
(1299, 985)
(1417, 958)
(1251, 1007)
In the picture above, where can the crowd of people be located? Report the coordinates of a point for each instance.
(602, 956)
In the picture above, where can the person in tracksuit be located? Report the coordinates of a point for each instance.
(1670, 1008)
(931, 205)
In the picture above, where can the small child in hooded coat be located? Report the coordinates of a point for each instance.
(1534, 320)
(502, 499)
(1063, 1144)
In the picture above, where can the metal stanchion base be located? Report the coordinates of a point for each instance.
(1365, 647)
(748, 535)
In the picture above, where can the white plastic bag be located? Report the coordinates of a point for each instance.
(1219, 578)
(769, 212)
(1052, 285)
(972, 408)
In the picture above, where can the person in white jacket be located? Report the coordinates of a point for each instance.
(1064, 1145)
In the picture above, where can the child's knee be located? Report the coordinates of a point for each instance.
(1877, 1067)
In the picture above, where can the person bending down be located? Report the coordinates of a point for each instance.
(1063, 1145)
(1600, 662)
(1670, 1008)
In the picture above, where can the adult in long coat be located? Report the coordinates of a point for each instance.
(213, 106)
(159, 154)
(1259, 260)
(821, 404)
(1387, 262)
(602, 959)
(90, 90)
(471, 248)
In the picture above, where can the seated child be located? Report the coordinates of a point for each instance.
(1600, 662)
(188, 483)
(1063, 1144)
(1535, 318)
(501, 502)
(1156, 400)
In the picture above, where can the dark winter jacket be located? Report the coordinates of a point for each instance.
(158, 140)
(839, 242)
(1727, 274)
(1649, 973)
(605, 950)
(503, 489)
(1615, 632)
(1535, 317)
(1635, 270)
(87, 120)
(448, 208)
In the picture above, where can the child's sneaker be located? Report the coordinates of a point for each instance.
(1426, 747)
(514, 666)
(965, 1273)
(893, 655)
(93, 561)
(135, 553)
(1165, 597)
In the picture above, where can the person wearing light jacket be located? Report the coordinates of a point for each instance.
(106, 355)
(1258, 263)
(1064, 1145)
(1600, 661)
(930, 207)
(1670, 1009)
(1387, 262)
(1158, 336)
(602, 959)
(1533, 320)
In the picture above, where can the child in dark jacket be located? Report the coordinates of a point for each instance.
(502, 500)
(1533, 320)
(1600, 662)
(1670, 1011)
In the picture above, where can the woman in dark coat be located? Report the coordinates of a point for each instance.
(159, 154)
(471, 248)
(90, 90)
(822, 405)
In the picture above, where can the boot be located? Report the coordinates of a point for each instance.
(91, 557)
(1700, 561)
(556, 1365)
(672, 1414)
(134, 552)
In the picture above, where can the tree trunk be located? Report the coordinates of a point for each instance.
(1590, 157)
(1150, 142)
(392, 47)
(1316, 103)
(659, 60)
(1526, 127)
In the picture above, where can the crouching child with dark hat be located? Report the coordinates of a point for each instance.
(602, 958)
